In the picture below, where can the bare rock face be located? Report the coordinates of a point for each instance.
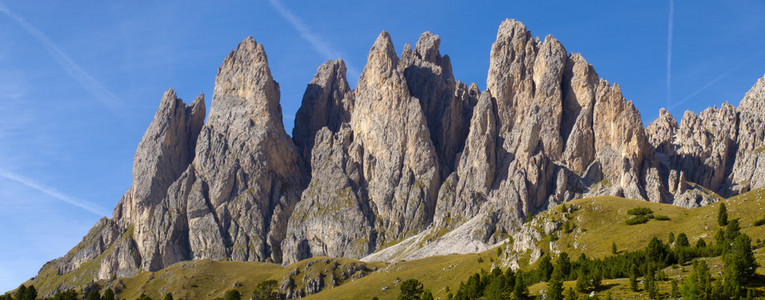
(408, 153)
(446, 104)
(547, 129)
(716, 150)
(375, 178)
(749, 168)
(328, 102)
(249, 169)
(399, 160)
(661, 132)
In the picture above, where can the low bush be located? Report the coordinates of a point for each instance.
(639, 219)
(640, 211)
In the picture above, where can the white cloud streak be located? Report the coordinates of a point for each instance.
(52, 192)
(318, 44)
(82, 77)
(715, 80)
(670, 29)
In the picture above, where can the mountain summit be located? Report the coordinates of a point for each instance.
(411, 163)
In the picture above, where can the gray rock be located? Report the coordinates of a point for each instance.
(409, 153)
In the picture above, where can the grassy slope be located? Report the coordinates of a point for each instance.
(602, 221)
(204, 279)
(599, 222)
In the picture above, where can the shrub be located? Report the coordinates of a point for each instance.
(640, 211)
(638, 219)
(759, 222)
(661, 218)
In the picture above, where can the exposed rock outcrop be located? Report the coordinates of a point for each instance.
(410, 155)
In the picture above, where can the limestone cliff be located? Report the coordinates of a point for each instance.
(410, 163)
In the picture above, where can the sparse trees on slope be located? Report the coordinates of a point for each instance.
(682, 240)
(555, 286)
(25, 293)
(633, 278)
(722, 215)
(520, 291)
(698, 284)
(411, 289)
(66, 295)
(740, 265)
(109, 295)
(266, 290)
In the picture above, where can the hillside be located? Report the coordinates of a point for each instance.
(598, 222)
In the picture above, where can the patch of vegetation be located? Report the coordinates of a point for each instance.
(661, 218)
(635, 220)
(639, 211)
(759, 149)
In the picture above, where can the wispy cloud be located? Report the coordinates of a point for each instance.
(669, 49)
(52, 192)
(73, 69)
(715, 80)
(316, 41)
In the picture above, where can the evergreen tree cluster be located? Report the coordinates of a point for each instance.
(648, 263)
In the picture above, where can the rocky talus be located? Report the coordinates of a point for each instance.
(410, 163)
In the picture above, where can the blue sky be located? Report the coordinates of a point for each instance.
(80, 82)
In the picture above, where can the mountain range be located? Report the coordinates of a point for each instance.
(411, 163)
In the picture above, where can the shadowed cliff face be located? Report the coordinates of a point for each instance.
(409, 152)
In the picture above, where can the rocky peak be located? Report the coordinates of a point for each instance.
(382, 62)
(754, 97)
(427, 47)
(327, 101)
(661, 132)
(408, 153)
(244, 83)
(167, 147)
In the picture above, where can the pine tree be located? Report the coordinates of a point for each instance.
(232, 295)
(21, 293)
(555, 286)
(582, 281)
(411, 289)
(94, 295)
(570, 295)
(520, 291)
(545, 267)
(675, 293)
(649, 284)
(671, 238)
(740, 265)
(613, 248)
(109, 295)
(497, 287)
(732, 231)
(682, 241)
(698, 284)
(427, 295)
(266, 290)
(564, 265)
(701, 243)
(633, 278)
(722, 215)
